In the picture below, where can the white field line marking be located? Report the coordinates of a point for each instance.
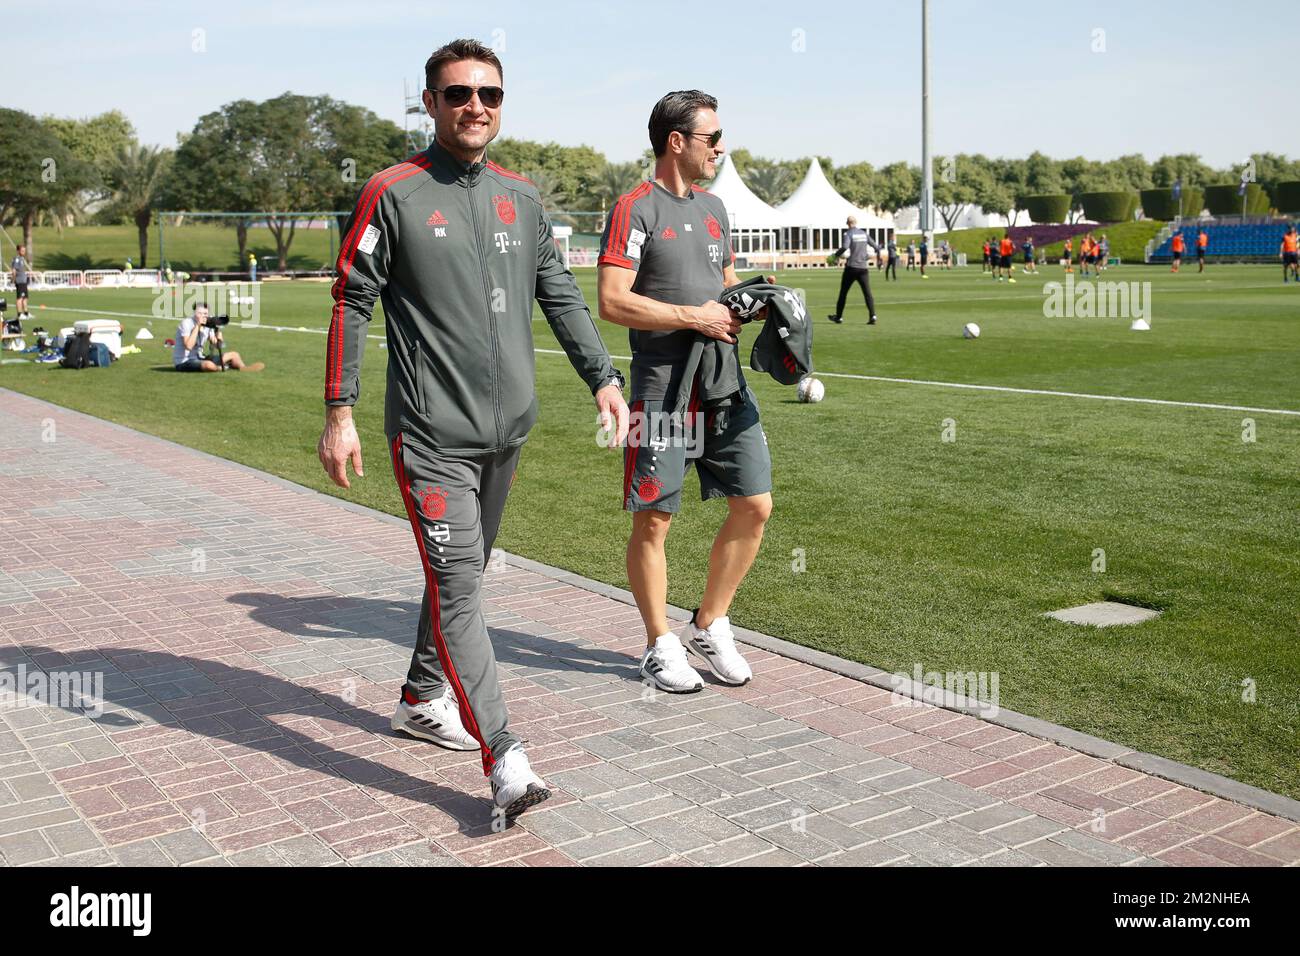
(1078, 285)
(1021, 391)
(862, 378)
(154, 318)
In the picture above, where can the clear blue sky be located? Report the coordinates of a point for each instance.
(1008, 78)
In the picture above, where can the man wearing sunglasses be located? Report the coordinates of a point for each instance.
(665, 259)
(458, 249)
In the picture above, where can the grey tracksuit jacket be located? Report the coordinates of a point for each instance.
(458, 254)
(859, 245)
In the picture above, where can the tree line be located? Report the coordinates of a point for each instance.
(296, 153)
(1000, 185)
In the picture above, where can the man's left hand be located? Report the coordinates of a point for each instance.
(613, 413)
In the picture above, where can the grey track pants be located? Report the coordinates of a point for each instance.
(455, 506)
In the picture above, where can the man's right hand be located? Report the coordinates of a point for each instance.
(340, 444)
(717, 321)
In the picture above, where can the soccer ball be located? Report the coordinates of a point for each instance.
(811, 390)
(970, 331)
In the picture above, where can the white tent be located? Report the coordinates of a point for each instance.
(755, 226)
(908, 219)
(814, 216)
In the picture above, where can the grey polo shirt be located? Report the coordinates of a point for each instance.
(678, 247)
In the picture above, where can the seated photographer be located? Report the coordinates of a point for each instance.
(193, 335)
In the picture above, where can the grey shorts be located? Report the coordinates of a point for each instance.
(735, 463)
(193, 365)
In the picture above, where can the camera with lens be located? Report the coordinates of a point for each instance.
(216, 321)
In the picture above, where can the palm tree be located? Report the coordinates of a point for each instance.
(767, 182)
(615, 180)
(547, 187)
(136, 180)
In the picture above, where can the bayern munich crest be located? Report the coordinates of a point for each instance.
(648, 488)
(505, 209)
(433, 503)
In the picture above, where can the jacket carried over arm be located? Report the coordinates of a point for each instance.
(782, 348)
(457, 254)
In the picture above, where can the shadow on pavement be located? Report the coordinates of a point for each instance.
(163, 686)
(336, 616)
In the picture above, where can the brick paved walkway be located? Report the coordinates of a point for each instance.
(253, 636)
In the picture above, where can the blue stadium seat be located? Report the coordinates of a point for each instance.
(1235, 241)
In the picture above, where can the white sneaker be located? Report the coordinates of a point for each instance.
(515, 787)
(666, 665)
(437, 721)
(716, 645)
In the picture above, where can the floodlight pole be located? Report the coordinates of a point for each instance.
(927, 168)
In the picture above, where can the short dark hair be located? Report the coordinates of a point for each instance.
(454, 52)
(676, 111)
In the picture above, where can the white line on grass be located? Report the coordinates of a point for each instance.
(862, 378)
(1037, 293)
(1022, 391)
(140, 315)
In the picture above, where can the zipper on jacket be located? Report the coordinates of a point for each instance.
(492, 318)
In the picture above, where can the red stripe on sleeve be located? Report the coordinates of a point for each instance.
(347, 254)
(508, 173)
(620, 227)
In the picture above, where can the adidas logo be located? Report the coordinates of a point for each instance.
(437, 219)
(669, 233)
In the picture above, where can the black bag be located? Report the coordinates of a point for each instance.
(76, 351)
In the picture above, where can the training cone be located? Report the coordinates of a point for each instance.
(144, 334)
(1140, 325)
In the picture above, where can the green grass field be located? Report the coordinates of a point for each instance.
(917, 550)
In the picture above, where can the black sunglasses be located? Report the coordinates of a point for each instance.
(489, 96)
(713, 139)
